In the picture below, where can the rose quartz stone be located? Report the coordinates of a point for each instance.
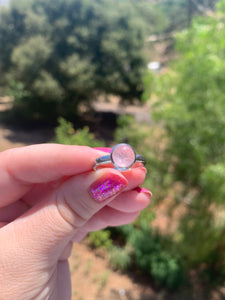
(123, 156)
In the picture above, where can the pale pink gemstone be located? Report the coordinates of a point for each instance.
(123, 156)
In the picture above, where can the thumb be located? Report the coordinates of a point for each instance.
(45, 230)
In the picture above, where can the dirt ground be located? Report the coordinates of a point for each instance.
(93, 279)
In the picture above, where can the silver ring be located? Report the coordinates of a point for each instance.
(122, 156)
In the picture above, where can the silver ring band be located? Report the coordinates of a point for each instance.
(122, 156)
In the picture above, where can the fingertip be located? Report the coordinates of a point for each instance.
(144, 190)
(135, 177)
(131, 201)
(143, 197)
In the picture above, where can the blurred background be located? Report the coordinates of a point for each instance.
(150, 73)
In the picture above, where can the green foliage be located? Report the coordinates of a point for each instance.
(201, 240)
(101, 239)
(143, 250)
(153, 15)
(194, 109)
(187, 145)
(65, 134)
(179, 13)
(17, 90)
(152, 254)
(11, 30)
(148, 81)
(213, 182)
(151, 257)
(176, 13)
(120, 257)
(191, 108)
(68, 52)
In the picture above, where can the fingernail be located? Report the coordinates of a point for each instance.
(144, 190)
(104, 149)
(107, 186)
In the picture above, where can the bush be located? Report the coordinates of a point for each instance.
(65, 134)
(213, 182)
(100, 239)
(120, 257)
(152, 255)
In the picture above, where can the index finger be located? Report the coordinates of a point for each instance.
(22, 167)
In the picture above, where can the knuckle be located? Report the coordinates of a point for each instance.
(68, 214)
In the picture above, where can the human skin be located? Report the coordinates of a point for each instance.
(49, 199)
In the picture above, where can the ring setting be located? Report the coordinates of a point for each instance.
(122, 157)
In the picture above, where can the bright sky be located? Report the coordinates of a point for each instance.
(4, 2)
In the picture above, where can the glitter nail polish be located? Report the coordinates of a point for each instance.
(107, 186)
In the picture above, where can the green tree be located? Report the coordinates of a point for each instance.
(179, 13)
(192, 107)
(68, 52)
(153, 15)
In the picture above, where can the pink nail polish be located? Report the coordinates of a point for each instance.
(104, 149)
(144, 190)
(107, 186)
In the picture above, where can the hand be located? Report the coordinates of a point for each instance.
(50, 197)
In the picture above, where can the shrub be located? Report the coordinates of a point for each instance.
(120, 257)
(213, 181)
(101, 238)
(152, 255)
(66, 134)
